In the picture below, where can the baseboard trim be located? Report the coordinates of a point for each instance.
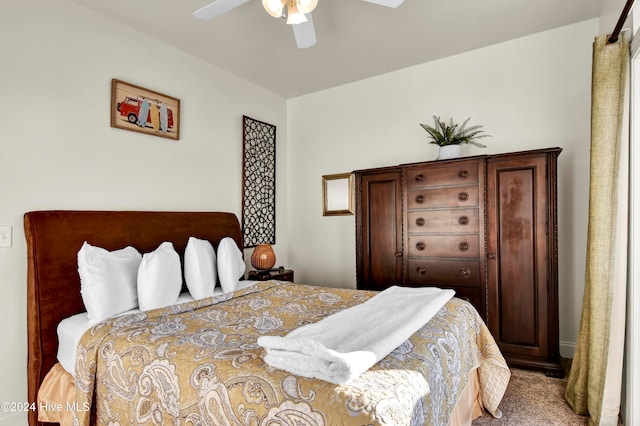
(567, 349)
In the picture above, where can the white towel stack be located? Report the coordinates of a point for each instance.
(343, 345)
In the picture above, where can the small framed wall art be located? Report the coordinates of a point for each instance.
(142, 110)
(337, 194)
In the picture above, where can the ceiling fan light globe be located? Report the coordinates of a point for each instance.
(274, 7)
(306, 6)
(296, 18)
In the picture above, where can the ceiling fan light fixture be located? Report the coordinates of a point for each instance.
(306, 6)
(274, 7)
(294, 16)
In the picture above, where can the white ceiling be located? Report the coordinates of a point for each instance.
(356, 39)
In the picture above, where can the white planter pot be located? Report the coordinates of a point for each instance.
(449, 151)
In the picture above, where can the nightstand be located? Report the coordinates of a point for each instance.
(273, 274)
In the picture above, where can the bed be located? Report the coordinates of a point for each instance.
(197, 362)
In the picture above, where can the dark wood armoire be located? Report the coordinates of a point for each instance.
(484, 226)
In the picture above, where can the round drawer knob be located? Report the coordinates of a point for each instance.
(465, 272)
(463, 220)
(463, 246)
(420, 221)
(463, 174)
(421, 270)
(420, 177)
(420, 199)
(420, 246)
(463, 196)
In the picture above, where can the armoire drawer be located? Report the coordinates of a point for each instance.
(464, 245)
(443, 221)
(449, 272)
(461, 173)
(460, 196)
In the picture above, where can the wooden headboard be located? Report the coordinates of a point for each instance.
(53, 240)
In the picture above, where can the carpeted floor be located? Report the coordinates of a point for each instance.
(534, 399)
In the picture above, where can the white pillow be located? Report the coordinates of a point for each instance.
(159, 278)
(200, 268)
(108, 280)
(230, 264)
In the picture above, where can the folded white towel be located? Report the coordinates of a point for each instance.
(343, 345)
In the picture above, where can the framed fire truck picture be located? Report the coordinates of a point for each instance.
(142, 110)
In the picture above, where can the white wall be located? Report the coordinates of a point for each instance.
(57, 150)
(610, 11)
(529, 93)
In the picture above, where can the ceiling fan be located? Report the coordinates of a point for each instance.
(296, 12)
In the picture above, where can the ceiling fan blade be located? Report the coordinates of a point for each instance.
(388, 3)
(217, 8)
(305, 33)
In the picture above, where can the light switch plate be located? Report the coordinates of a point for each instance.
(5, 236)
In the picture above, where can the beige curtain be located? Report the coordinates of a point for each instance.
(595, 382)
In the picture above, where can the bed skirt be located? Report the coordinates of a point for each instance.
(56, 396)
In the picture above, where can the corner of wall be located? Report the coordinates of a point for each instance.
(609, 14)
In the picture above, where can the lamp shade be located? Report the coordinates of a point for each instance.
(263, 257)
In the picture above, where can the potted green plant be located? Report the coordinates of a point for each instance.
(450, 136)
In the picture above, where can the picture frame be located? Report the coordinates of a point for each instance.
(337, 194)
(129, 102)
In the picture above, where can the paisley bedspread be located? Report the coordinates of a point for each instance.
(198, 363)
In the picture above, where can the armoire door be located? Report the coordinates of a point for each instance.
(379, 229)
(522, 258)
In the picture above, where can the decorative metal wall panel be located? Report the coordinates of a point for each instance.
(258, 182)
